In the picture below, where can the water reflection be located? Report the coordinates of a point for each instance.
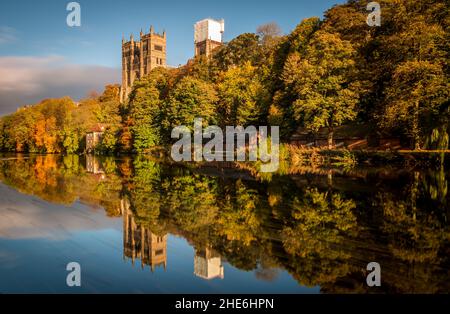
(208, 264)
(141, 243)
(321, 229)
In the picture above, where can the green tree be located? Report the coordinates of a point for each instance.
(282, 92)
(242, 49)
(417, 90)
(191, 98)
(71, 140)
(2, 136)
(326, 94)
(243, 98)
(145, 107)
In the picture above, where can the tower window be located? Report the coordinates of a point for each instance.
(158, 47)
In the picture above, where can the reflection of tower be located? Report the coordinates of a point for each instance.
(208, 264)
(141, 243)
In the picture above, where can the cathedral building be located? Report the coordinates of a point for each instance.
(141, 56)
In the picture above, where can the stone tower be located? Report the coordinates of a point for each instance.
(140, 57)
(208, 35)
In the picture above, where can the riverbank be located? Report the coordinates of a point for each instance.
(294, 159)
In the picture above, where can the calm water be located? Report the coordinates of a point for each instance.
(135, 225)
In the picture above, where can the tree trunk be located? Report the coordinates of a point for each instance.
(417, 142)
(330, 178)
(415, 128)
(414, 194)
(330, 138)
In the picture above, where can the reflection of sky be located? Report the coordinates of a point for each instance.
(23, 216)
(38, 239)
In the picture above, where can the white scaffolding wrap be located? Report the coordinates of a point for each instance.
(209, 29)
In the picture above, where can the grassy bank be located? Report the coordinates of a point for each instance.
(296, 160)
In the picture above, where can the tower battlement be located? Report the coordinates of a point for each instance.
(141, 56)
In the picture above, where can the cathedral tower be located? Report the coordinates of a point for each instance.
(140, 57)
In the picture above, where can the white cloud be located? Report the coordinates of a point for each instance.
(27, 80)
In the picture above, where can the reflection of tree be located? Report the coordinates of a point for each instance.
(192, 200)
(416, 231)
(267, 269)
(413, 237)
(144, 193)
(61, 179)
(239, 219)
(41, 175)
(238, 254)
(264, 226)
(316, 240)
(435, 183)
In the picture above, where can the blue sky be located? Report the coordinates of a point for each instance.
(36, 32)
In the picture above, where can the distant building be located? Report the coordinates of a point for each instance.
(208, 35)
(94, 137)
(208, 264)
(140, 57)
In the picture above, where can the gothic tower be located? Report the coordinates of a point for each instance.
(140, 57)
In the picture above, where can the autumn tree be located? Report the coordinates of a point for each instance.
(418, 90)
(2, 135)
(145, 105)
(109, 115)
(145, 114)
(282, 92)
(191, 98)
(242, 49)
(327, 96)
(242, 96)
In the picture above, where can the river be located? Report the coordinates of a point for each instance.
(138, 225)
